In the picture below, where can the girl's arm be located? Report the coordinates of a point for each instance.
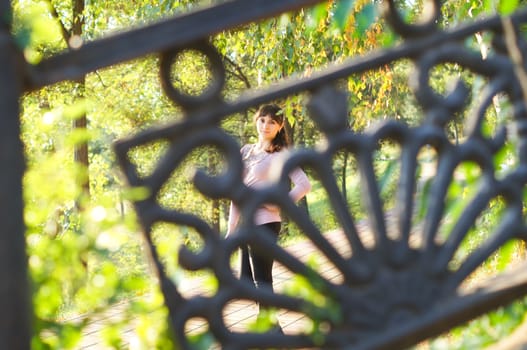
(301, 184)
(234, 212)
(234, 217)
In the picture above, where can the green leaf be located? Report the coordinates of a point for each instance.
(387, 176)
(77, 110)
(317, 14)
(388, 39)
(202, 341)
(79, 136)
(111, 335)
(342, 11)
(136, 193)
(366, 17)
(71, 335)
(506, 7)
(506, 255)
(488, 5)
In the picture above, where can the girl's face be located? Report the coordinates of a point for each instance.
(267, 128)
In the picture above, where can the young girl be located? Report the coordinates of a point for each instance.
(258, 160)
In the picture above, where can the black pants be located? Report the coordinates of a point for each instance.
(258, 267)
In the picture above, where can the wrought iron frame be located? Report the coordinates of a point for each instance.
(426, 298)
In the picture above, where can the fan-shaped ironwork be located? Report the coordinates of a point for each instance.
(404, 287)
(403, 283)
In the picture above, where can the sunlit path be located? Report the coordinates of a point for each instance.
(238, 314)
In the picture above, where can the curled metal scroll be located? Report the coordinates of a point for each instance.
(393, 293)
(428, 21)
(211, 93)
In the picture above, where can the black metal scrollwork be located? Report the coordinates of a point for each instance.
(392, 294)
(211, 93)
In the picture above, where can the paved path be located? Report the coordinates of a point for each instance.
(240, 313)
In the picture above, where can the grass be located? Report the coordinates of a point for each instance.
(483, 331)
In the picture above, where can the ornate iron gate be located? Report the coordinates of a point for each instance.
(425, 290)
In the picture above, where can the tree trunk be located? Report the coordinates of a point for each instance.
(215, 208)
(344, 185)
(81, 150)
(15, 330)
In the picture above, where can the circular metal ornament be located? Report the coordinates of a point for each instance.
(211, 93)
(427, 25)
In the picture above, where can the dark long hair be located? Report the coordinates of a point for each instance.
(281, 139)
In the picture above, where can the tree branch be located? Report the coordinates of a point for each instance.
(66, 35)
(238, 72)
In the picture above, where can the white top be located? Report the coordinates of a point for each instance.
(259, 172)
